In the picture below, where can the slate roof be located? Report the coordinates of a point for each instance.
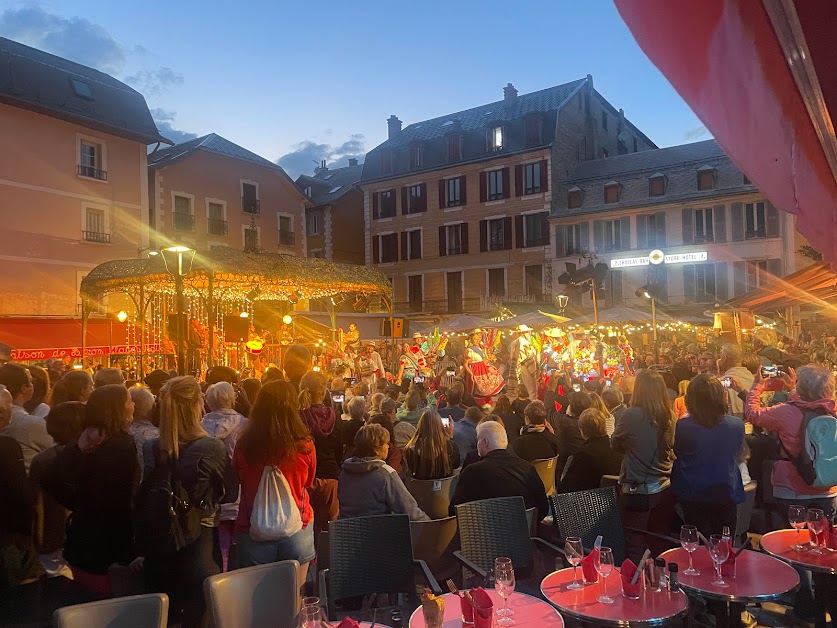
(38, 81)
(212, 143)
(323, 182)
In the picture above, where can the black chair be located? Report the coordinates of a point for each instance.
(370, 556)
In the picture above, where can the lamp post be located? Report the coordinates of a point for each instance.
(563, 300)
(178, 261)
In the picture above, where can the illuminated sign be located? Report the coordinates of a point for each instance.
(680, 258)
(628, 262)
(658, 257)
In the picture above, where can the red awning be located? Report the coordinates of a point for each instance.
(44, 338)
(761, 83)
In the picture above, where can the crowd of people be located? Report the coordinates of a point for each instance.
(681, 438)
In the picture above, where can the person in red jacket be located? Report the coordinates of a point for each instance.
(275, 436)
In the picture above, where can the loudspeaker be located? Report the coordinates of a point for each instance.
(400, 327)
(171, 326)
(236, 328)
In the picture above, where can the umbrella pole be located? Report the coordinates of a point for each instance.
(595, 306)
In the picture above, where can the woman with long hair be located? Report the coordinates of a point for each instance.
(74, 386)
(38, 405)
(276, 436)
(202, 466)
(431, 454)
(511, 420)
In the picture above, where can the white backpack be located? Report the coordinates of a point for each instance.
(275, 515)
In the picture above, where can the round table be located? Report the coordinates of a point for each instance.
(650, 609)
(758, 577)
(779, 543)
(528, 611)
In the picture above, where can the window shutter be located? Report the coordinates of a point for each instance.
(774, 267)
(560, 250)
(772, 220)
(689, 283)
(598, 236)
(545, 229)
(719, 215)
(736, 216)
(463, 190)
(423, 199)
(739, 277)
(483, 187)
(507, 234)
(420, 253)
(376, 212)
(518, 228)
(518, 180)
(641, 232)
(483, 236)
(442, 191)
(721, 282)
(688, 227)
(506, 183)
(661, 228)
(544, 176)
(376, 249)
(443, 241)
(585, 236)
(626, 234)
(404, 236)
(464, 236)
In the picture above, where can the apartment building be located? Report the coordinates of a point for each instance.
(334, 222)
(211, 191)
(719, 236)
(457, 208)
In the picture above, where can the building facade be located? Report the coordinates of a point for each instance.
(210, 191)
(457, 208)
(719, 235)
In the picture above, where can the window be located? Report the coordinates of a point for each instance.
(387, 165)
(495, 185)
(653, 236)
(412, 239)
(495, 138)
(313, 226)
(388, 245)
(307, 191)
(91, 160)
(454, 147)
(81, 89)
(706, 178)
(657, 185)
(612, 234)
(183, 218)
(756, 274)
(453, 237)
(573, 244)
(536, 229)
(704, 228)
(496, 282)
(217, 224)
(534, 130)
(250, 198)
(286, 231)
(415, 199)
(611, 193)
(415, 293)
(415, 156)
(534, 281)
(453, 189)
(574, 198)
(704, 283)
(386, 204)
(532, 178)
(94, 226)
(498, 239)
(604, 119)
(755, 221)
(335, 189)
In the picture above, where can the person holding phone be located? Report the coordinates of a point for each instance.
(431, 454)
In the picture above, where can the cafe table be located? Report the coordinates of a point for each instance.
(779, 544)
(651, 609)
(528, 611)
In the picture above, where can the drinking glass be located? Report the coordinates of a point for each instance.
(311, 617)
(797, 518)
(719, 551)
(816, 524)
(504, 584)
(689, 540)
(604, 565)
(575, 551)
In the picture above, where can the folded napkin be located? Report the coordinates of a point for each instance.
(348, 622)
(627, 573)
(588, 567)
(483, 612)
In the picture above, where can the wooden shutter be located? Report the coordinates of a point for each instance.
(626, 234)
(518, 235)
(598, 236)
(560, 250)
(442, 191)
(506, 183)
(641, 232)
(772, 215)
(689, 282)
(688, 226)
(404, 236)
(660, 218)
(463, 190)
(464, 237)
(423, 199)
(774, 267)
(443, 241)
(545, 229)
(739, 278)
(507, 234)
(376, 249)
(585, 236)
(544, 176)
(721, 282)
(405, 200)
(483, 236)
(376, 211)
(719, 216)
(736, 216)
(518, 180)
(483, 187)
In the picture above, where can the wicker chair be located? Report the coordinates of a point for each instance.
(546, 469)
(433, 496)
(138, 611)
(370, 556)
(434, 542)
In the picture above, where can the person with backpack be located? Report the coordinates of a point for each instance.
(276, 464)
(194, 469)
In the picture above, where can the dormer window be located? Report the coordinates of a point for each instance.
(534, 130)
(574, 197)
(415, 156)
(706, 178)
(308, 191)
(657, 185)
(386, 161)
(611, 192)
(495, 138)
(455, 147)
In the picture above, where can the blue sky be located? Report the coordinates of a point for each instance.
(303, 81)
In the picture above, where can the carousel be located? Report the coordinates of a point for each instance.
(200, 307)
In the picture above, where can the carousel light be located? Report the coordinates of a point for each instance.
(287, 319)
(245, 315)
(122, 316)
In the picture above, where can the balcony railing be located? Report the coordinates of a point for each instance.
(91, 172)
(287, 237)
(216, 226)
(183, 222)
(96, 236)
(250, 205)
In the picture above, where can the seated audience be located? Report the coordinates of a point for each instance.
(356, 411)
(511, 420)
(536, 442)
(412, 410)
(594, 458)
(465, 431)
(431, 454)
(453, 409)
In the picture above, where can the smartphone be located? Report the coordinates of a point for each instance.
(585, 378)
(608, 383)
(577, 387)
(450, 372)
(726, 381)
(445, 421)
(338, 398)
(418, 379)
(770, 371)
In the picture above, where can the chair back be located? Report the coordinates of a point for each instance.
(745, 510)
(254, 596)
(138, 611)
(546, 469)
(434, 542)
(588, 514)
(433, 496)
(489, 528)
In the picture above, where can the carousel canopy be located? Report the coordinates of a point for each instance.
(621, 315)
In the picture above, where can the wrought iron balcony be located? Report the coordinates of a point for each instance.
(91, 172)
(286, 237)
(96, 236)
(216, 226)
(250, 205)
(183, 222)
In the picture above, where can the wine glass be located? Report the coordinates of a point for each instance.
(604, 565)
(311, 617)
(816, 525)
(719, 551)
(504, 584)
(797, 518)
(689, 540)
(574, 550)
(503, 562)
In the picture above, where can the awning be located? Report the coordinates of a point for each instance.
(761, 77)
(813, 285)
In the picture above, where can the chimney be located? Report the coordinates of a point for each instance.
(393, 126)
(509, 94)
(352, 161)
(321, 168)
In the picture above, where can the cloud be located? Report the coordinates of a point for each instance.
(698, 133)
(307, 155)
(165, 122)
(155, 82)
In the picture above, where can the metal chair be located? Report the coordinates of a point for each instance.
(434, 542)
(546, 469)
(370, 556)
(254, 596)
(433, 496)
(138, 611)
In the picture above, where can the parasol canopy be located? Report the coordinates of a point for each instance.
(621, 315)
(532, 319)
(463, 322)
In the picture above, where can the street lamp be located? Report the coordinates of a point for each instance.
(563, 300)
(178, 261)
(649, 291)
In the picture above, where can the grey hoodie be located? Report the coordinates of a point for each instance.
(369, 486)
(226, 424)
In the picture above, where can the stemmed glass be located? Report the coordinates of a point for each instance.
(311, 617)
(816, 524)
(719, 551)
(689, 540)
(504, 584)
(604, 565)
(574, 550)
(797, 518)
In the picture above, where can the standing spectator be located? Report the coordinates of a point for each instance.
(679, 405)
(141, 428)
(511, 420)
(356, 409)
(30, 431)
(228, 374)
(431, 454)
(37, 405)
(594, 458)
(108, 376)
(296, 362)
(597, 402)
(465, 432)
(555, 398)
(731, 365)
(536, 442)
(522, 400)
(566, 428)
(251, 387)
(626, 385)
(615, 404)
(74, 386)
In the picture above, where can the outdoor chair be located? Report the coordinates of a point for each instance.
(434, 542)
(433, 496)
(546, 469)
(254, 596)
(138, 611)
(745, 511)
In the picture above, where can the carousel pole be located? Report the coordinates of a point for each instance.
(595, 304)
(84, 316)
(210, 300)
(141, 324)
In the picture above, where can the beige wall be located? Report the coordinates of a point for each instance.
(345, 224)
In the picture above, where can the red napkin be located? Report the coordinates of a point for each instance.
(484, 611)
(588, 567)
(348, 622)
(627, 572)
(728, 566)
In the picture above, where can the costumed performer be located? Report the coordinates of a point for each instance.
(483, 380)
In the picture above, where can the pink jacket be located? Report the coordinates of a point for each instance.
(786, 419)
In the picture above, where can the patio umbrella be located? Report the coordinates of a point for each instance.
(621, 315)
(463, 322)
(532, 319)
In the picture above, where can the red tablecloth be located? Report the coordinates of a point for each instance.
(758, 576)
(651, 607)
(779, 543)
(528, 611)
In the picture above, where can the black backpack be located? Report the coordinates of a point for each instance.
(165, 520)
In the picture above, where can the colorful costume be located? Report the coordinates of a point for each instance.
(487, 379)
